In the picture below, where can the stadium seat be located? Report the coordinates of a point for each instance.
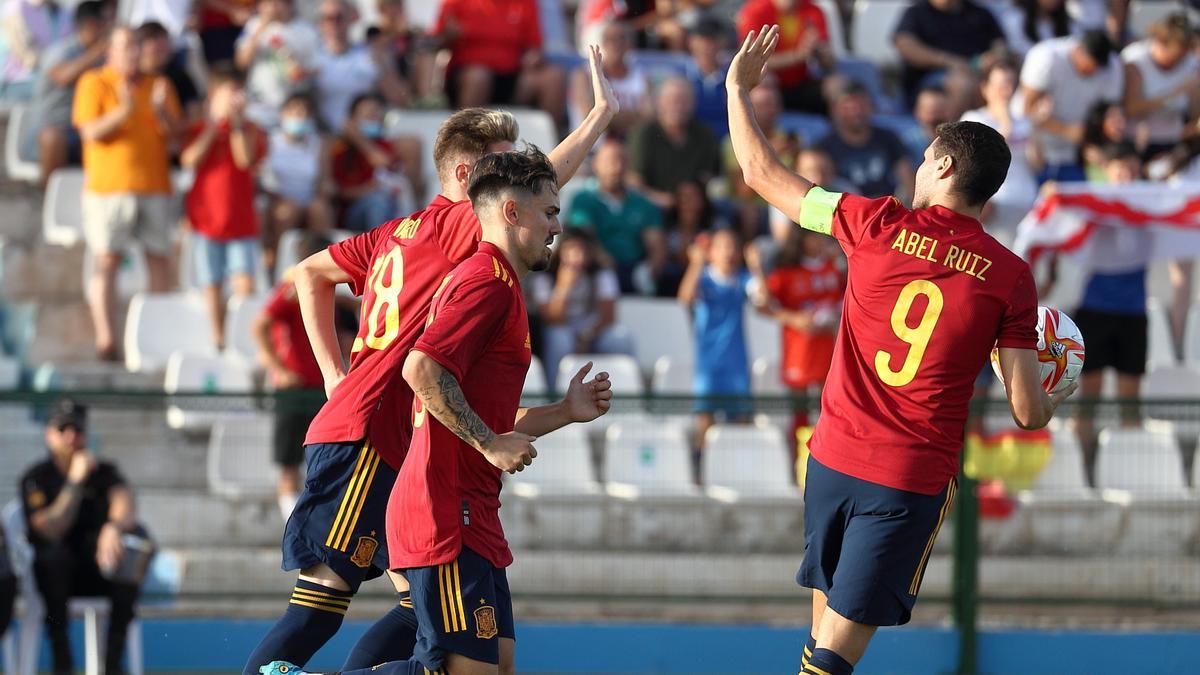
(424, 125)
(535, 379)
(874, 22)
(1146, 465)
(764, 336)
(132, 276)
(661, 65)
(809, 128)
(764, 377)
(62, 208)
(1063, 514)
(1191, 336)
(1160, 348)
(558, 501)
(32, 610)
(672, 376)
(10, 373)
(192, 374)
(240, 315)
(20, 121)
(626, 376)
(833, 24)
(160, 324)
(909, 131)
(537, 128)
(656, 504)
(660, 327)
(239, 457)
(746, 470)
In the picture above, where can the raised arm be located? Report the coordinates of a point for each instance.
(568, 156)
(316, 279)
(584, 402)
(761, 167)
(1031, 406)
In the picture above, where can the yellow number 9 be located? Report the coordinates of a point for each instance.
(917, 338)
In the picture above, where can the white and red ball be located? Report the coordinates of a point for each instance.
(1059, 348)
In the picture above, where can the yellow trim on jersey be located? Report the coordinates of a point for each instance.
(920, 573)
(496, 267)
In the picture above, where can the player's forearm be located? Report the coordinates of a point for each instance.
(541, 420)
(315, 292)
(196, 151)
(569, 155)
(761, 167)
(121, 509)
(442, 397)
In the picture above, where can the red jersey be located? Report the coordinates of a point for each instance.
(492, 33)
(220, 204)
(929, 294)
(447, 495)
(396, 268)
(350, 167)
(211, 17)
(288, 338)
(810, 287)
(793, 25)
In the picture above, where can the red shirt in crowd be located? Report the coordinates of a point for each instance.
(492, 33)
(929, 294)
(809, 287)
(288, 338)
(447, 494)
(792, 29)
(220, 204)
(396, 268)
(211, 17)
(350, 167)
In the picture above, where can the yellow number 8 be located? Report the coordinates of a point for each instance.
(917, 338)
(387, 278)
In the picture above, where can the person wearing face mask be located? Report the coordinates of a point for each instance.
(366, 168)
(295, 177)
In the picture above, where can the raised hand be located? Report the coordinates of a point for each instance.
(602, 93)
(585, 401)
(748, 66)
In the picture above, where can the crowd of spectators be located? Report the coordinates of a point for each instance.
(278, 109)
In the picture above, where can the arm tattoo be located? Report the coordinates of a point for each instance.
(446, 402)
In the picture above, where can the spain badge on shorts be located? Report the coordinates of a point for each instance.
(364, 552)
(485, 623)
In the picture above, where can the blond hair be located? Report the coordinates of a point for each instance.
(467, 135)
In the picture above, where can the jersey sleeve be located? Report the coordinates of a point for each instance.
(356, 255)
(1018, 328)
(845, 216)
(459, 234)
(1039, 63)
(466, 323)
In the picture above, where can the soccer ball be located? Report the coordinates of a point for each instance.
(1059, 348)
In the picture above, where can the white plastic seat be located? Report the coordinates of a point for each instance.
(764, 336)
(160, 324)
(240, 315)
(660, 327)
(20, 122)
(62, 208)
(1145, 465)
(536, 127)
(189, 373)
(873, 25)
(132, 275)
(239, 457)
(622, 370)
(1160, 349)
(1063, 514)
(423, 124)
(33, 610)
(747, 470)
(557, 502)
(673, 376)
(765, 377)
(535, 379)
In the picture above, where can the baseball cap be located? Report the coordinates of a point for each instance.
(68, 412)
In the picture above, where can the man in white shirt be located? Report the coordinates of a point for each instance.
(277, 51)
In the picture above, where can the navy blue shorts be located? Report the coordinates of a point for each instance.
(866, 545)
(339, 517)
(463, 607)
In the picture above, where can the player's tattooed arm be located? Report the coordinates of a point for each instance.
(444, 399)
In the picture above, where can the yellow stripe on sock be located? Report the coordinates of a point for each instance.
(813, 670)
(299, 593)
(332, 610)
(334, 532)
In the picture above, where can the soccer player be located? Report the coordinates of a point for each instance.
(335, 536)
(468, 369)
(929, 294)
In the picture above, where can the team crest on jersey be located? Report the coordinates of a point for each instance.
(485, 623)
(364, 553)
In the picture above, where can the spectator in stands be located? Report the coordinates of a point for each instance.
(287, 356)
(870, 158)
(1162, 83)
(942, 42)
(366, 169)
(1016, 196)
(673, 147)
(817, 167)
(627, 224)
(496, 56)
(297, 177)
(1104, 125)
(278, 53)
(576, 300)
(1112, 313)
(768, 106)
(932, 108)
(52, 139)
(629, 84)
(1060, 81)
(127, 121)
(411, 50)
(716, 288)
(1028, 22)
(220, 24)
(158, 58)
(8, 586)
(224, 151)
(30, 28)
(345, 70)
(78, 511)
(803, 39)
(708, 78)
